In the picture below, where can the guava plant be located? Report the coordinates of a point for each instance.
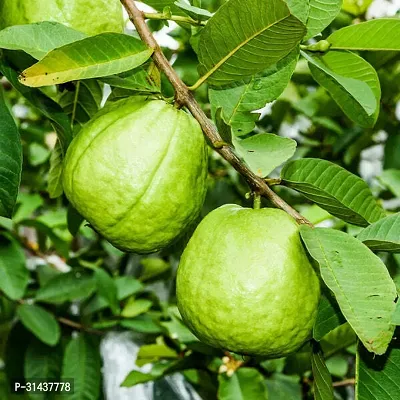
(253, 250)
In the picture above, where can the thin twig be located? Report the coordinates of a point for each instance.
(78, 326)
(184, 97)
(346, 382)
(176, 18)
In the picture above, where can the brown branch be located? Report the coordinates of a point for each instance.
(68, 322)
(183, 97)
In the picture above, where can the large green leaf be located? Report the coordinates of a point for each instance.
(378, 377)
(238, 100)
(361, 283)
(42, 362)
(377, 34)
(268, 32)
(45, 104)
(92, 57)
(82, 364)
(322, 13)
(336, 190)
(40, 322)
(10, 160)
(351, 81)
(265, 151)
(66, 287)
(38, 39)
(14, 275)
(323, 389)
(383, 235)
(245, 383)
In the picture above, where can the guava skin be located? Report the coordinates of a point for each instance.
(88, 16)
(245, 283)
(137, 172)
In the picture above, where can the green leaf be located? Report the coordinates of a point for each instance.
(137, 377)
(160, 5)
(378, 377)
(329, 317)
(42, 362)
(361, 283)
(135, 307)
(239, 100)
(49, 108)
(66, 287)
(126, 286)
(322, 13)
(107, 289)
(142, 324)
(178, 331)
(38, 39)
(83, 102)
(245, 383)
(104, 54)
(383, 235)
(300, 9)
(82, 364)
(54, 180)
(153, 352)
(334, 189)
(284, 387)
(227, 54)
(265, 151)
(338, 339)
(40, 322)
(153, 267)
(391, 179)
(323, 389)
(10, 160)
(139, 79)
(27, 204)
(356, 7)
(14, 275)
(198, 14)
(74, 220)
(377, 34)
(351, 81)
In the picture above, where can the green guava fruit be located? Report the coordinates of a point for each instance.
(137, 172)
(245, 283)
(88, 16)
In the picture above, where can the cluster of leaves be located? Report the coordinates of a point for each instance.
(58, 277)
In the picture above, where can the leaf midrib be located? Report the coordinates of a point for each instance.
(237, 48)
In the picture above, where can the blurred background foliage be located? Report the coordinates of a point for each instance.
(123, 305)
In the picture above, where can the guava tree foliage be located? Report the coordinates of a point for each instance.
(334, 80)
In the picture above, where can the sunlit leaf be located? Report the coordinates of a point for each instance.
(361, 283)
